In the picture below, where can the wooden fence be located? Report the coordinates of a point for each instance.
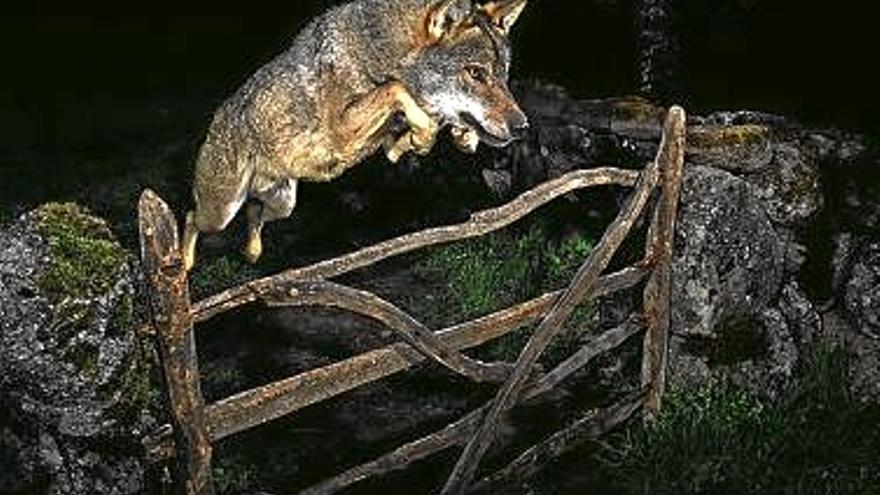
(196, 425)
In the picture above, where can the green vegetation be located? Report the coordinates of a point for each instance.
(233, 473)
(488, 273)
(122, 318)
(85, 257)
(726, 136)
(212, 275)
(720, 439)
(84, 356)
(135, 385)
(492, 272)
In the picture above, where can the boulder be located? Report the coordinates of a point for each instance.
(74, 376)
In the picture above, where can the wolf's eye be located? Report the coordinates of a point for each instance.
(477, 73)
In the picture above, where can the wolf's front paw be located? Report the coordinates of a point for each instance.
(465, 139)
(396, 148)
(422, 139)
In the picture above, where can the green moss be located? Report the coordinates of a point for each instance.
(122, 318)
(85, 257)
(84, 356)
(634, 108)
(134, 385)
(708, 137)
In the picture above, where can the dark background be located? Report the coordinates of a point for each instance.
(78, 89)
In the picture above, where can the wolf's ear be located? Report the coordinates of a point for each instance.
(444, 17)
(504, 13)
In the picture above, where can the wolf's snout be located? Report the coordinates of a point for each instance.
(518, 126)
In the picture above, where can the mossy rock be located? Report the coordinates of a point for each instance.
(637, 117)
(725, 136)
(85, 257)
(745, 147)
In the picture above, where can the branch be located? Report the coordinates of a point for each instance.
(479, 224)
(529, 463)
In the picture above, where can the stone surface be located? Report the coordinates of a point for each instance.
(729, 262)
(790, 186)
(861, 290)
(73, 374)
(754, 190)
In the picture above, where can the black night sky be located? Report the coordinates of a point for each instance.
(100, 85)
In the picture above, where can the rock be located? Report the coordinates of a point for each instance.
(790, 187)
(499, 181)
(861, 290)
(74, 378)
(737, 148)
(863, 355)
(728, 262)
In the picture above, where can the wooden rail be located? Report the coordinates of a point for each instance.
(195, 425)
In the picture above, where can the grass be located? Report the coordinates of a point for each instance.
(213, 275)
(492, 272)
(816, 439)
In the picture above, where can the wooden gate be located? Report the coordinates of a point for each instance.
(196, 425)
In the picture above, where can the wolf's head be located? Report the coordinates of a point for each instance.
(461, 74)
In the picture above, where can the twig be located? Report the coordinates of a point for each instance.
(529, 463)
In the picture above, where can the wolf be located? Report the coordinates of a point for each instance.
(366, 75)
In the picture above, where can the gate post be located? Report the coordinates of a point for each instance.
(172, 321)
(661, 236)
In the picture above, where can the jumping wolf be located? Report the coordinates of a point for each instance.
(364, 75)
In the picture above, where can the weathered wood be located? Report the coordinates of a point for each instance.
(251, 407)
(456, 433)
(586, 353)
(257, 406)
(583, 283)
(480, 223)
(412, 331)
(170, 308)
(593, 425)
(662, 233)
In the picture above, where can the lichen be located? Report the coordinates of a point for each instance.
(85, 258)
(711, 137)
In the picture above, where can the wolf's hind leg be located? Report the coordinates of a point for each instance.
(190, 237)
(206, 219)
(274, 204)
